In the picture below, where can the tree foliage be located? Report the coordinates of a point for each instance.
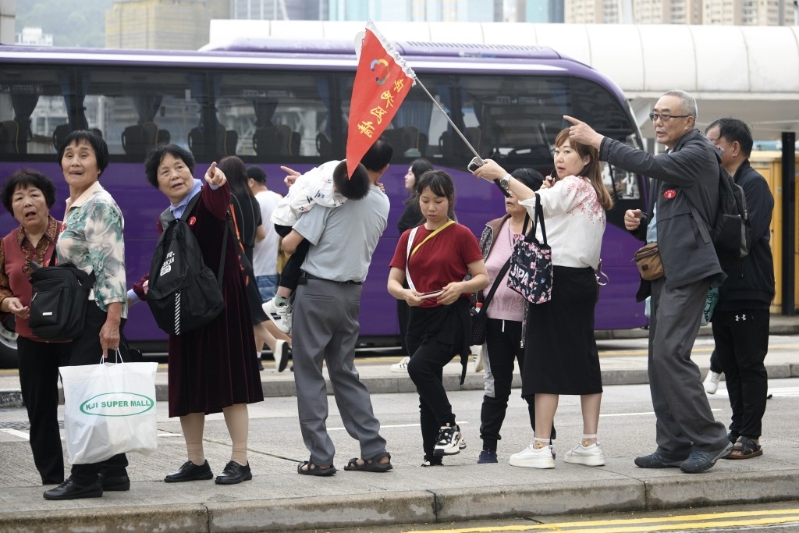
(72, 23)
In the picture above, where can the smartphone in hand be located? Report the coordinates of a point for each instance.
(431, 294)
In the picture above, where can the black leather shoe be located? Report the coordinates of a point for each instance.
(234, 473)
(70, 490)
(190, 472)
(115, 483)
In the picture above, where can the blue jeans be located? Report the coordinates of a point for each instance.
(267, 286)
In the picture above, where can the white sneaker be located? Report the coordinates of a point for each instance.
(532, 458)
(585, 455)
(449, 441)
(711, 382)
(402, 366)
(280, 315)
(281, 355)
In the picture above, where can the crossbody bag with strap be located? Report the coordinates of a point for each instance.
(412, 249)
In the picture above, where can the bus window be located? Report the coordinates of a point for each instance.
(32, 107)
(135, 109)
(512, 118)
(277, 117)
(621, 184)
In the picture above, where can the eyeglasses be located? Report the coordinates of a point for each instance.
(664, 117)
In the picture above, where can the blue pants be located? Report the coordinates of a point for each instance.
(267, 286)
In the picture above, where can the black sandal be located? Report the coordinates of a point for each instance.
(745, 448)
(312, 469)
(370, 465)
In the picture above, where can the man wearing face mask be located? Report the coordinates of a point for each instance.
(685, 180)
(741, 317)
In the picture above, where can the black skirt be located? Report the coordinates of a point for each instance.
(560, 349)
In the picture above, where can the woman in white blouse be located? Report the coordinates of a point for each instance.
(560, 348)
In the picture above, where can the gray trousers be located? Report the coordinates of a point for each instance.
(325, 327)
(684, 419)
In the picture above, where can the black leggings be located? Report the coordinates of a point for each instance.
(291, 270)
(503, 339)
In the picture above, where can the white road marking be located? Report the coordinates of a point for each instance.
(17, 433)
(460, 423)
(646, 413)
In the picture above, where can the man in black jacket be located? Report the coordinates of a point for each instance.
(685, 181)
(741, 318)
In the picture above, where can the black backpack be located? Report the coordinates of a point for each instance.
(59, 299)
(184, 294)
(731, 232)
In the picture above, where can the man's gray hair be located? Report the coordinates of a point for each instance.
(687, 102)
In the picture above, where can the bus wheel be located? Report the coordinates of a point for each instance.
(8, 346)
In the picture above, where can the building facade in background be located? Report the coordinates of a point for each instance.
(184, 25)
(539, 11)
(8, 12)
(713, 12)
(162, 24)
(279, 9)
(401, 10)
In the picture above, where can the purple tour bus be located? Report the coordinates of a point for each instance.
(276, 102)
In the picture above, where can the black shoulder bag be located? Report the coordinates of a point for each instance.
(59, 299)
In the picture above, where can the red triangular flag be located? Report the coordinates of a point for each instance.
(382, 82)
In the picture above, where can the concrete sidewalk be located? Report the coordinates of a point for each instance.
(278, 499)
(618, 368)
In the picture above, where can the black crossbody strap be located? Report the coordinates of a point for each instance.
(190, 206)
(500, 275)
(185, 217)
(53, 257)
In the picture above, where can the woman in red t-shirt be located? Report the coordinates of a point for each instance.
(434, 259)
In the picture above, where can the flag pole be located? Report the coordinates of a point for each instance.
(461, 135)
(468, 144)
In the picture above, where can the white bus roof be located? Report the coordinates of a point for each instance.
(747, 72)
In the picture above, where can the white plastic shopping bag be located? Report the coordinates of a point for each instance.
(109, 409)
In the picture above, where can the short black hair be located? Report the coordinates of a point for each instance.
(157, 154)
(734, 130)
(378, 155)
(257, 174)
(529, 177)
(95, 141)
(27, 178)
(354, 187)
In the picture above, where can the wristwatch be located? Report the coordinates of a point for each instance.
(504, 182)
